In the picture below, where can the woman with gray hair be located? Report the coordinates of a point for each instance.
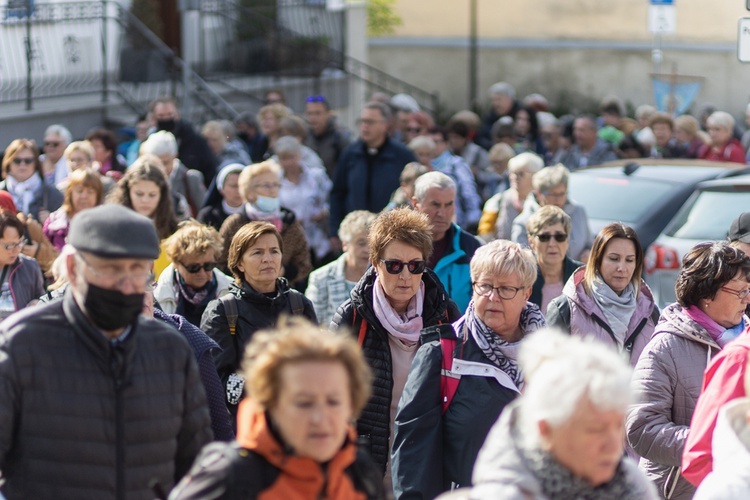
(330, 285)
(563, 438)
(304, 191)
(724, 147)
(550, 187)
(549, 230)
(182, 181)
(712, 293)
(501, 210)
(441, 423)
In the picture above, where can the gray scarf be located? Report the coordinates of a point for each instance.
(617, 309)
(558, 483)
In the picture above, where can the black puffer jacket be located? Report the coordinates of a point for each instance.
(255, 311)
(81, 417)
(373, 426)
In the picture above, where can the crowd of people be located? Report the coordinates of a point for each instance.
(276, 308)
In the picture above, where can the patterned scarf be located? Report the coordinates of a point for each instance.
(196, 297)
(556, 481)
(501, 353)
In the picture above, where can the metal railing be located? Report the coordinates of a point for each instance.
(88, 48)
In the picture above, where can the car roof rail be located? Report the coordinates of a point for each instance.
(734, 172)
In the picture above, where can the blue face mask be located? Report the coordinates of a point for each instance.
(267, 204)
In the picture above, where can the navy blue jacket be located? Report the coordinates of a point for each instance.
(356, 186)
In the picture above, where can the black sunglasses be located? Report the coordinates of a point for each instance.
(396, 266)
(545, 237)
(27, 161)
(194, 268)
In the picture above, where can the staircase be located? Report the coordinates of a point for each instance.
(84, 63)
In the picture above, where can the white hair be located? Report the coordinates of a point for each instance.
(432, 180)
(560, 370)
(721, 119)
(528, 162)
(550, 177)
(160, 143)
(504, 258)
(61, 131)
(545, 119)
(503, 88)
(287, 145)
(354, 224)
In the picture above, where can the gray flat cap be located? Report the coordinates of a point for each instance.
(114, 232)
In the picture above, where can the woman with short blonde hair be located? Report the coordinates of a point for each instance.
(191, 281)
(305, 387)
(481, 349)
(84, 190)
(260, 184)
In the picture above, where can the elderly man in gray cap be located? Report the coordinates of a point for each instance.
(97, 401)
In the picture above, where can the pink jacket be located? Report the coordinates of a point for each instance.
(723, 381)
(586, 318)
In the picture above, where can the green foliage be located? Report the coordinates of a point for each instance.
(381, 20)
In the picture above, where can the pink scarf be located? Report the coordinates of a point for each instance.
(406, 327)
(712, 327)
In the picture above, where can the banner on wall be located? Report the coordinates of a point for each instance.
(675, 94)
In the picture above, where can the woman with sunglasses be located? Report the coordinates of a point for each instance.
(23, 178)
(608, 299)
(388, 308)
(548, 231)
(191, 281)
(439, 431)
(20, 276)
(712, 292)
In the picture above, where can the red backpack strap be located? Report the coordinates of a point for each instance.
(362, 328)
(448, 380)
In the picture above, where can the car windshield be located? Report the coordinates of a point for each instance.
(708, 215)
(609, 198)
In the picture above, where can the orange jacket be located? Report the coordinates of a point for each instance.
(300, 478)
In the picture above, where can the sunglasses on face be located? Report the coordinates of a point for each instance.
(396, 266)
(545, 237)
(194, 268)
(27, 161)
(316, 98)
(51, 144)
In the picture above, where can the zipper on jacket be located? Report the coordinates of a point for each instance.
(117, 360)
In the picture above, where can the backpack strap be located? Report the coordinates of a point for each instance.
(362, 328)
(563, 307)
(296, 303)
(448, 379)
(230, 311)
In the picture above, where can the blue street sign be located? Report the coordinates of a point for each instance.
(661, 2)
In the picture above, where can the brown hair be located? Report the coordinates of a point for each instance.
(9, 219)
(661, 117)
(296, 340)
(244, 239)
(401, 224)
(86, 178)
(193, 238)
(548, 215)
(607, 234)
(148, 168)
(706, 268)
(15, 147)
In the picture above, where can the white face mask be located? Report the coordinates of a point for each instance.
(267, 204)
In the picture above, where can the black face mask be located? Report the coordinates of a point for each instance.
(168, 125)
(110, 309)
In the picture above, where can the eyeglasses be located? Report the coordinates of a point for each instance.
(137, 278)
(505, 292)
(194, 268)
(396, 266)
(51, 144)
(545, 237)
(27, 161)
(268, 185)
(13, 246)
(740, 294)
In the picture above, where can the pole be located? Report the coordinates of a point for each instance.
(473, 55)
(186, 6)
(105, 82)
(29, 55)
